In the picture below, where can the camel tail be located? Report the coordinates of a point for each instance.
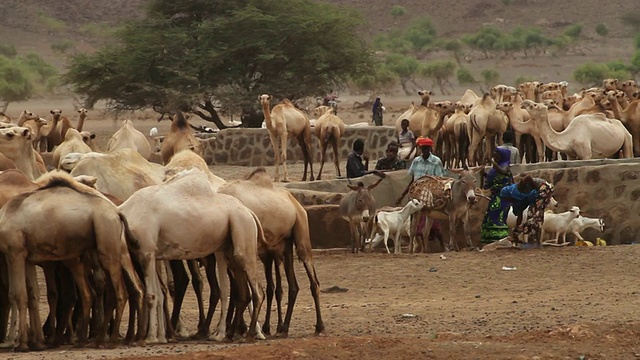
(132, 242)
(262, 241)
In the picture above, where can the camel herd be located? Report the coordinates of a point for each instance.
(111, 228)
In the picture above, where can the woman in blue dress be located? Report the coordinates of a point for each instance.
(494, 225)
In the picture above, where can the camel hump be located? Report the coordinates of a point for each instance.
(55, 179)
(260, 177)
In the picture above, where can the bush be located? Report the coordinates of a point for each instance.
(573, 31)
(8, 50)
(490, 76)
(52, 24)
(465, 76)
(100, 30)
(61, 46)
(602, 30)
(397, 11)
(591, 73)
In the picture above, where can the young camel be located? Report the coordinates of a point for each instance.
(285, 224)
(329, 129)
(181, 136)
(284, 121)
(90, 223)
(218, 224)
(66, 125)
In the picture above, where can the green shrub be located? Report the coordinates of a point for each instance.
(602, 30)
(8, 50)
(52, 24)
(490, 76)
(573, 31)
(61, 46)
(465, 76)
(397, 11)
(591, 73)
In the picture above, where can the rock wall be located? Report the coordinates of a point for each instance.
(601, 188)
(252, 147)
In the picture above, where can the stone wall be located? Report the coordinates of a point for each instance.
(601, 188)
(252, 147)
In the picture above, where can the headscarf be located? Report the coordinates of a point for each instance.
(376, 105)
(424, 141)
(504, 159)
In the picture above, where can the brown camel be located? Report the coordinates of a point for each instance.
(15, 144)
(51, 134)
(284, 121)
(329, 129)
(66, 124)
(90, 223)
(180, 136)
(630, 116)
(285, 224)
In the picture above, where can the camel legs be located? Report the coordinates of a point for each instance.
(283, 158)
(214, 296)
(277, 155)
(314, 285)
(323, 153)
(305, 144)
(225, 289)
(4, 298)
(293, 288)
(181, 282)
(336, 156)
(18, 295)
(267, 261)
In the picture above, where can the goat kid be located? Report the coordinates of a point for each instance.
(579, 224)
(392, 223)
(558, 223)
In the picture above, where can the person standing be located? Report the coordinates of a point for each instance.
(494, 225)
(507, 143)
(425, 164)
(377, 110)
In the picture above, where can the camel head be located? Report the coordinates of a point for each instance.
(629, 86)
(14, 133)
(610, 84)
(321, 110)
(87, 137)
(265, 99)
(425, 96)
(28, 115)
(505, 106)
(636, 95)
(56, 113)
(82, 112)
(444, 107)
(533, 107)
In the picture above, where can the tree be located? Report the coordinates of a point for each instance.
(420, 33)
(455, 46)
(591, 73)
(376, 81)
(490, 77)
(440, 72)
(214, 56)
(465, 77)
(398, 11)
(405, 67)
(487, 40)
(15, 84)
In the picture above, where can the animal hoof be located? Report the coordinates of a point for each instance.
(22, 348)
(217, 336)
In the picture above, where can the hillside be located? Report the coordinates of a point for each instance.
(33, 25)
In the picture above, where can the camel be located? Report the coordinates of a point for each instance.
(485, 122)
(629, 87)
(530, 89)
(4, 118)
(427, 120)
(129, 137)
(329, 129)
(185, 160)
(588, 136)
(451, 133)
(218, 224)
(120, 173)
(72, 144)
(66, 125)
(91, 223)
(284, 121)
(521, 123)
(610, 84)
(25, 115)
(87, 138)
(32, 122)
(469, 98)
(502, 93)
(180, 136)
(285, 224)
(15, 144)
(630, 116)
(51, 134)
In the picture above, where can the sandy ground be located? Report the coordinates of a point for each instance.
(559, 304)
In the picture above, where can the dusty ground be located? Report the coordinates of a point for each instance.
(558, 304)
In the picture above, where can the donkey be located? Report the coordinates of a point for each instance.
(457, 208)
(357, 206)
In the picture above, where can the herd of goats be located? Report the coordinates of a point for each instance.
(107, 228)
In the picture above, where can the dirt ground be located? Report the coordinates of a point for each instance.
(560, 303)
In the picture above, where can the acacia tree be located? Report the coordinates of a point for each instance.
(440, 72)
(212, 56)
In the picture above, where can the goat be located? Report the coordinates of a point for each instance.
(393, 223)
(579, 224)
(558, 223)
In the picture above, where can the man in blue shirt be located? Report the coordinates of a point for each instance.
(355, 166)
(426, 164)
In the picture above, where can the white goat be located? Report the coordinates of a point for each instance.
(579, 224)
(393, 223)
(558, 223)
(511, 218)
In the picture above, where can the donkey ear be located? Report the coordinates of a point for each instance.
(353, 187)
